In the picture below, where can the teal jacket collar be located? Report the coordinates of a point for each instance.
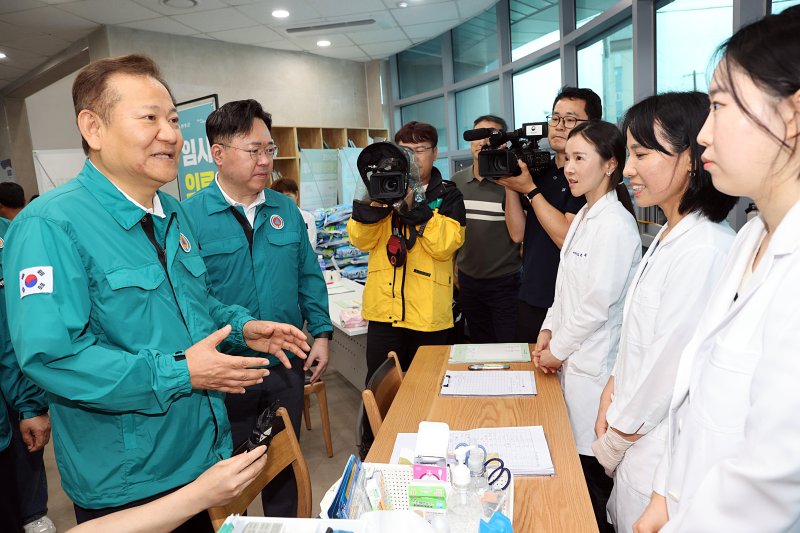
(216, 203)
(125, 212)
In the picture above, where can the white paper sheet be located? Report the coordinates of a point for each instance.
(488, 383)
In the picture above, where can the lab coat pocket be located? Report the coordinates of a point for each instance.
(642, 316)
(723, 389)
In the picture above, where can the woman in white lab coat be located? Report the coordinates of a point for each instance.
(733, 458)
(598, 258)
(667, 295)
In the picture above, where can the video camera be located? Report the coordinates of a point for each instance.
(385, 171)
(495, 162)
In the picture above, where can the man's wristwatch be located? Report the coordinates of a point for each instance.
(533, 193)
(324, 335)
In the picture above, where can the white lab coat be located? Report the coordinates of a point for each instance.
(664, 302)
(733, 462)
(598, 259)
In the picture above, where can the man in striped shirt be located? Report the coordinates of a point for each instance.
(489, 263)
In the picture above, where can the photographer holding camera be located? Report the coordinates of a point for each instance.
(540, 215)
(411, 243)
(489, 263)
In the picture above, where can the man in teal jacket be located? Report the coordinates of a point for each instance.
(258, 256)
(26, 399)
(110, 312)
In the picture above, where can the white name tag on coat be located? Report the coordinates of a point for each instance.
(35, 280)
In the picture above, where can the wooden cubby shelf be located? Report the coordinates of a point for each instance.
(292, 139)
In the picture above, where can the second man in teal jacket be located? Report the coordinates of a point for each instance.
(257, 254)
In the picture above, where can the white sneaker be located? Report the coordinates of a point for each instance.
(40, 525)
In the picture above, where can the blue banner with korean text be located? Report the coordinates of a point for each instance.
(196, 167)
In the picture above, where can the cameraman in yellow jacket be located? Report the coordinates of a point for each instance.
(410, 305)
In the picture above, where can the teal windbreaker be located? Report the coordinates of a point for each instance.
(280, 279)
(102, 325)
(17, 391)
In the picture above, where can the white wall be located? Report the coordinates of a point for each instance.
(299, 89)
(51, 117)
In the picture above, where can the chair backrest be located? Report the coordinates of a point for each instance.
(283, 452)
(381, 390)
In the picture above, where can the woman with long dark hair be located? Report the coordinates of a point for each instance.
(667, 295)
(732, 462)
(580, 333)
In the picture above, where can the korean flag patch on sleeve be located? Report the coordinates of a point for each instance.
(35, 280)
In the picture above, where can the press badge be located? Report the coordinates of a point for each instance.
(35, 280)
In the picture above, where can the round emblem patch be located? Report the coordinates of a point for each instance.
(185, 244)
(276, 221)
(2, 243)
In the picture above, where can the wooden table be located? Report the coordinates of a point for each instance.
(558, 503)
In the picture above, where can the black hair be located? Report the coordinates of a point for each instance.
(234, 118)
(679, 118)
(591, 101)
(12, 195)
(609, 144)
(416, 132)
(767, 52)
(285, 186)
(491, 118)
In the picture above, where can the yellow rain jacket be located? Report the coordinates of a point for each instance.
(419, 294)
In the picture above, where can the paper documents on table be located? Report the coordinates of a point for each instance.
(488, 383)
(523, 449)
(508, 352)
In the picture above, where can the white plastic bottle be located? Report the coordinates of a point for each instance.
(477, 472)
(463, 504)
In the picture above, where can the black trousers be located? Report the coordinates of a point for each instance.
(529, 322)
(382, 338)
(599, 485)
(285, 385)
(489, 307)
(31, 478)
(10, 519)
(199, 523)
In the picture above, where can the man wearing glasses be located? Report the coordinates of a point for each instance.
(254, 244)
(540, 215)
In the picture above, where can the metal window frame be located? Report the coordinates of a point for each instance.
(640, 13)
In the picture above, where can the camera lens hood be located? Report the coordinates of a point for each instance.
(384, 155)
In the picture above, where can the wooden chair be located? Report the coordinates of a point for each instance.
(381, 390)
(318, 388)
(284, 451)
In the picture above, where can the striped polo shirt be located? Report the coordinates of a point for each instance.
(488, 251)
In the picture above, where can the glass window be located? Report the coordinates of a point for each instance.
(472, 103)
(779, 6)
(430, 111)
(586, 10)
(475, 46)
(443, 166)
(534, 91)
(534, 25)
(420, 68)
(606, 67)
(688, 33)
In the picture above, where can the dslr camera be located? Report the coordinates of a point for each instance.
(497, 162)
(385, 171)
